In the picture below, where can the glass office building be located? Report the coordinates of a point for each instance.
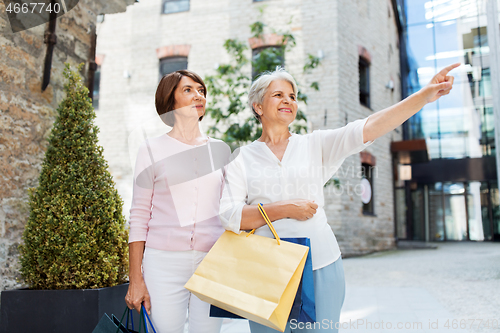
(446, 186)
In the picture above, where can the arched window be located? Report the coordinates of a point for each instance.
(267, 58)
(172, 64)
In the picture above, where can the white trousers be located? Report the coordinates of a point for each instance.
(165, 273)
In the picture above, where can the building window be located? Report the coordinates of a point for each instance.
(364, 82)
(175, 6)
(267, 58)
(485, 84)
(172, 64)
(367, 188)
(95, 92)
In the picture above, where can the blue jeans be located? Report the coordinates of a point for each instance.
(329, 294)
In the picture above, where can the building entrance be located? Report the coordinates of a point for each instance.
(457, 211)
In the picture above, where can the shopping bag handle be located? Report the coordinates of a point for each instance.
(129, 315)
(268, 221)
(145, 315)
(127, 312)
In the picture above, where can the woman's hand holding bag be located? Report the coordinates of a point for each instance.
(252, 276)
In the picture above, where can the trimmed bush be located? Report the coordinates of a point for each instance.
(75, 237)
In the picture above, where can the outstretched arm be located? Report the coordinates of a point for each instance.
(384, 121)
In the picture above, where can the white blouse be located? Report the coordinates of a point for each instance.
(255, 175)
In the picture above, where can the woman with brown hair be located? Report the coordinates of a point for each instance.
(174, 217)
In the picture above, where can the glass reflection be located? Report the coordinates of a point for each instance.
(438, 33)
(175, 6)
(487, 129)
(453, 188)
(401, 213)
(478, 220)
(455, 217)
(495, 207)
(436, 216)
(415, 11)
(429, 11)
(418, 210)
(444, 10)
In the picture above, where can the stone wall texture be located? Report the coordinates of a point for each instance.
(27, 114)
(337, 29)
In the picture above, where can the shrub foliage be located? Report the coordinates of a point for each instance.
(229, 86)
(75, 236)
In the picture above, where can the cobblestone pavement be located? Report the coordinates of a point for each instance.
(454, 288)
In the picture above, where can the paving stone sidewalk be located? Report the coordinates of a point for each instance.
(454, 288)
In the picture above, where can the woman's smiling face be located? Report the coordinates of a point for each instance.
(190, 97)
(279, 104)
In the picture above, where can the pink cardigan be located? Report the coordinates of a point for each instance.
(177, 188)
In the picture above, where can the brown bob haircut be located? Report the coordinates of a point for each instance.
(165, 93)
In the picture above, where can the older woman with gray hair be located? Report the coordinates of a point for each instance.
(286, 173)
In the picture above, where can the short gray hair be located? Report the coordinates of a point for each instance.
(260, 86)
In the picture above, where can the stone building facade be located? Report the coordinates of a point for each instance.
(27, 113)
(341, 32)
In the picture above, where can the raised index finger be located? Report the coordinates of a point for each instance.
(447, 69)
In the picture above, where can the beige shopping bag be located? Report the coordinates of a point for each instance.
(252, 276)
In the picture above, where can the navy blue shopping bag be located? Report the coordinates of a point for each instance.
(303, 308)
(115, 325)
